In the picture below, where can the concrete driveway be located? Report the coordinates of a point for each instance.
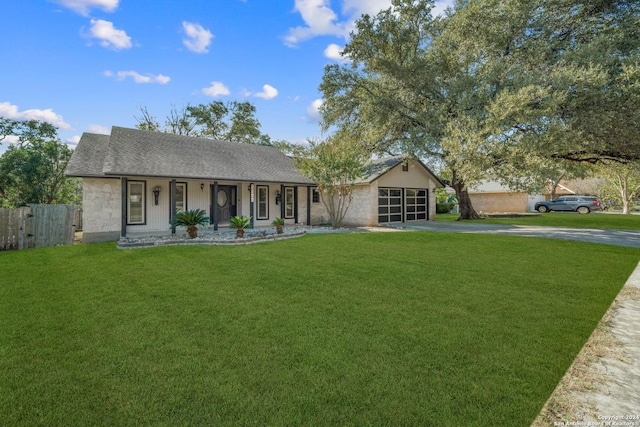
(611, 237)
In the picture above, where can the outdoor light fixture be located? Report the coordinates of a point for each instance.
(278, 197)
(202, 186)
(156, 193)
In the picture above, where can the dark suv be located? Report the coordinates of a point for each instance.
(580, 204)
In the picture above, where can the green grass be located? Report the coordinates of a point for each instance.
(403, 328)
(560, 219)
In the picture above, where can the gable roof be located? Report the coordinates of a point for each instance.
(379, 167)
(133, 152)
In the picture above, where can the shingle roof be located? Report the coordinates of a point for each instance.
(88, 157)
(133, 152)
(379, 167)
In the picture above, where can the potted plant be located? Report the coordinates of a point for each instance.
(191, 220)
(239, 223)
(278, 223)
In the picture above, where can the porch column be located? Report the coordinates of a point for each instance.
(295, 205)
(282, 201)
(252, 201)
(214, 205)
(123, 222)
(308, 205)
(172, 187)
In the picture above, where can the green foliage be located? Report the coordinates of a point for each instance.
(232, 121)
(239, 222)
(335, 164)
(444, 207)
(32, 171)
(442, 196)
(339, 330)
(506, 95)
(622, 183)
(278, 222)
(190, 218)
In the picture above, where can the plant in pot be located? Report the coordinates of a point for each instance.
(278, 223)
(239, 223)
(191, 219)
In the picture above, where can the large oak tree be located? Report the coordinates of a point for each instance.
(495, 88)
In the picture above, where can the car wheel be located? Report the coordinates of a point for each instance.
(583, 210)
(543, 209)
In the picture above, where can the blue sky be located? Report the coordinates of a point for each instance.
(87, 65)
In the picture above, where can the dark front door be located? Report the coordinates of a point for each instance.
(225, 202)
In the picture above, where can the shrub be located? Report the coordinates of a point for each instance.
(443, 208)
(191, 219)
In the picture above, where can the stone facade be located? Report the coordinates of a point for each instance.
(361, 210)
(101, 209)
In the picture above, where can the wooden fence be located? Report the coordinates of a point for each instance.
(37, 226)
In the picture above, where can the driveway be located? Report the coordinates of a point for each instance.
(610, 237)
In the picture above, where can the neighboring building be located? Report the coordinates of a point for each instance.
(133, 180)
(491, 196)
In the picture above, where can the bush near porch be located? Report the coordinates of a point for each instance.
(404, 328)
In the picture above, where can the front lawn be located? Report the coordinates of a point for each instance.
(560, 219)
(406, 328)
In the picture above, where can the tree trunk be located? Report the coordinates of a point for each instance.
(464, 201)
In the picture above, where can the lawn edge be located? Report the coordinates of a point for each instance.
(573, 399)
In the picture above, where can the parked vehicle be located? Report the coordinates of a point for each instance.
(580, 204)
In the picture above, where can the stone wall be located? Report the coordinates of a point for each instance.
(361, 210)
(101, 209)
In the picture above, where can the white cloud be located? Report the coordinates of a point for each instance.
(333, 51)
(99, 129)
(359, 7)
(313, 110)
(319, 18)
(73, 141)
(139, 78)
(216, 89)
(198, 38)
(11, 111)
(82, 6)
(109, 35)
(10, 139)
(268, 92)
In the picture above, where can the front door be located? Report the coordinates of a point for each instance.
(225, 202)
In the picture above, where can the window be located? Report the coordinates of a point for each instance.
(136, 202)
(263, 202)
(315, 195)
(289, 202)
(181, 197)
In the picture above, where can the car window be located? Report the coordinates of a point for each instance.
(571, 199)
